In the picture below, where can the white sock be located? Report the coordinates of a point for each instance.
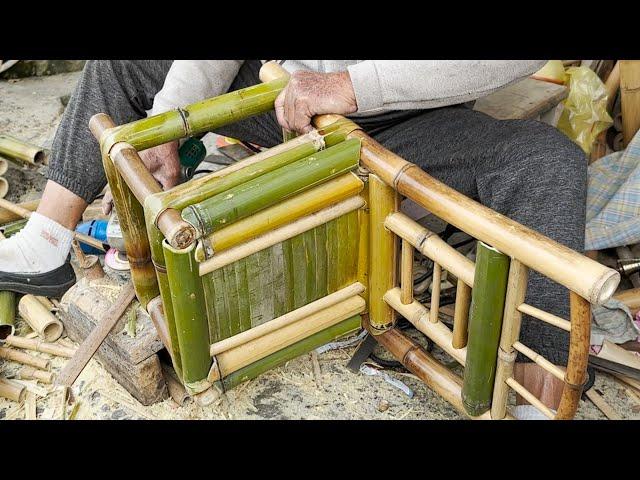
(41, 246)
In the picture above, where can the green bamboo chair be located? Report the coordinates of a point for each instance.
(260, 262)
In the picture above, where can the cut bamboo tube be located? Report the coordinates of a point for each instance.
(630, 98)
(576, 375)
(406, 269)
(511, 322)
(12, 391)
(432, 246)
(24, 358)
(7, 216)
(461, 315)
(231, 360)
(38, 345)
(187, 297)
(435, 293)
(4, 187)
(48, 304)
(540, 360)
(308, 202)
(363, 265)
(20, 150)
(30, 373)
(485, 322)
(286, 319)
(175, 387)
(280, 234)
(269, 189)
(4, 166)
(545, 316)
(383, 200)
(418, 315)
(530, 397)
(41, 320)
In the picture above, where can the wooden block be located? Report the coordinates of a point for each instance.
(527, 99)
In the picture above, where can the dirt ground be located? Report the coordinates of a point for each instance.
(30, 109)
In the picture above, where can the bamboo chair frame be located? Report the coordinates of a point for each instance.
(383, 288)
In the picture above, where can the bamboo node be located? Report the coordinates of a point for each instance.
(509, 357)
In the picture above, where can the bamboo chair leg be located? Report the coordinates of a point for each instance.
(435, 293)
(406, 269)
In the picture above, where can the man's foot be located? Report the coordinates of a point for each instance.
(34, 261)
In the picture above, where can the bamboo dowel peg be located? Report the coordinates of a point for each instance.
(406, 269)
(461, 315)
(30, 373)
(41, 320)
(38, 345)
(12, 390)
(435, 293)
(24, 358)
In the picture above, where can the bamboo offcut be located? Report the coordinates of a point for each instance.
(30, 373)
(461, 315)
(24, 358)
(41, 320)
(485, 322)
(12, 390)
(7, 310)
(19, 150)
(38, 345)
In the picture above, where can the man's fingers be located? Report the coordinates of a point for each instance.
(302, 120)
(107, 203)
(279, 106)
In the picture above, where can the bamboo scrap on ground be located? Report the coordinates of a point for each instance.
(12, 390)
(38, 345)
(599, 401)
(30, 407)
(41, 320)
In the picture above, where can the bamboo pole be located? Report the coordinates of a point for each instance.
(41, 320)
(383, 200)
(418, 315)
(12, 391)
(576, 374)
(544, 316)
(187, 298)
(432, 246)
(461, 315)
(20, 150)
(24, 358)
(38, 345)
(236, 358)
(406, 269)
(305, 203)
(280, 234)
(286, 319)
(435, 293)
(30, 373)
(630, 98)
(7, 216)
(485, 322)
(270, 188)
(511, 321)
(292, 351)
(545, 364)
(131, 216)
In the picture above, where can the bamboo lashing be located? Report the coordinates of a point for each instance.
(41, 320)
(435, 293)
(461, 315)
(24, 358)
(280, 234)
(545, 316)
(39, 345)
(12, 390)
(286, 319)
(530, 397)
(406, 269)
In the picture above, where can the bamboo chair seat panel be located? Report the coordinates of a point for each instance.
(276, 280)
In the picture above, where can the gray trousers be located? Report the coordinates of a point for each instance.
(523, 169)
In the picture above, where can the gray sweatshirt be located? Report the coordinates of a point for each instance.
(379, 85)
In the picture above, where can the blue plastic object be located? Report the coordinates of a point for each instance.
(96, 229)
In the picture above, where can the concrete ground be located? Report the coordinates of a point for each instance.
(30, 109)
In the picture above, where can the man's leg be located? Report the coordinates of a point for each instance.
(526, 170)
(122, 89)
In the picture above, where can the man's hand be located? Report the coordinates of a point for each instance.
(311, 93)
(163, 162)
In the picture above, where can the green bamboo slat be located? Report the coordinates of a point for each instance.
(343, 240)
(288, 353)
(244, 308)
(268, 189)
(231, 297)
(187, 297)
(12, 228)
(485, 323)
(332, 256)
(210, 302)
(259, 282)
(299, 260)
(289, 274)
(353, 229)
(276, 269)
(321, 265)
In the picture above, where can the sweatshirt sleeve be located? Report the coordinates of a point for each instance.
(405, 85)
(190, 81)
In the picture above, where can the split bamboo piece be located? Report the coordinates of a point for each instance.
(599, 401)
(7, 215)
(24, 358)
(286, 319)
(485, 322)
(511, 322)
(30, 373)
(305, 203)
(40, 346)
(406, 269)
(30, 407)
(418, 315)
(234, 359)
(383, 200)
(12, 391)
(630, 98)
(435, 292)
(432, 246)
(461, 315)
(280, 234)
(20, 150)
(545, 316)
(187, 298)
(41, 320)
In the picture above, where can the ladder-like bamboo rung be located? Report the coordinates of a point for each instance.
(545, 317)
(553, 369)
(529, 397)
